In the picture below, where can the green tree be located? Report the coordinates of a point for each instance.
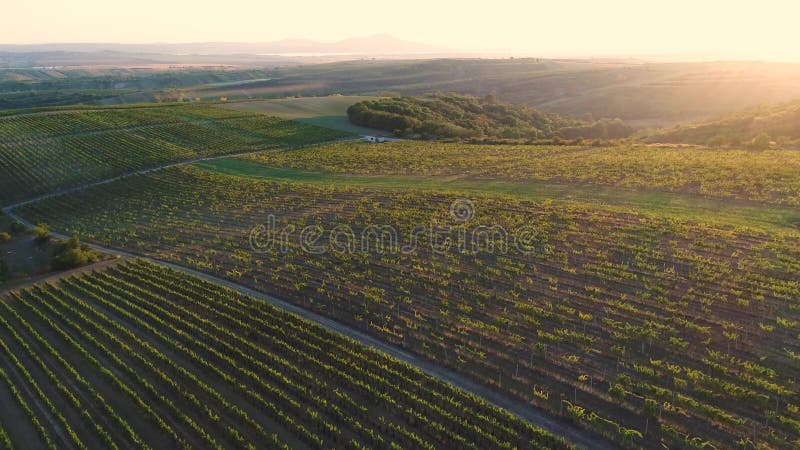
(71, 253)
(761, 141)
(41, 232)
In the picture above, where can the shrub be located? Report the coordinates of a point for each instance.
(617, 392)
(4, 237)
(761, 141)
(71, 253)
(41, 232)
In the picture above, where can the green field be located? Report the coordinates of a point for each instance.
(141, 356)
(329, 112)
(748, 215)
(686, 184)
(50, 151)
(645, 296)
(615, 319)
(765, 176)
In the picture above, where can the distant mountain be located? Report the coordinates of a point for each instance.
(372, 45)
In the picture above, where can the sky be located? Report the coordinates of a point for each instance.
(765, 29)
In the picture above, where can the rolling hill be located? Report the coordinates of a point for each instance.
(461, 116)
(756, 127)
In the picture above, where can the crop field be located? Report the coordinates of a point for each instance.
(648, 331)
(329, 111)
(48, 151)
(769, 176)
(142, 356)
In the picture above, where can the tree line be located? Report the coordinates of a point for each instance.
(464, 116)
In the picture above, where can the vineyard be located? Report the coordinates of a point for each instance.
(141, 356)
(648, 331)
(48, 151)
(758, 175)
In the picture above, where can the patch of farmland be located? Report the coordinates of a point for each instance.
(142, 356)
(648, 330)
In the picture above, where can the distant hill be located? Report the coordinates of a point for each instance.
(755, 127)
(380, 44)
(642, 94)
(464, 116)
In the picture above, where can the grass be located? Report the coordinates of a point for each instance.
(752, 215)
(329, 112)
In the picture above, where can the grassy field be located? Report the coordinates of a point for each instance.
(329, 112)
(644, 328)
(138, 355)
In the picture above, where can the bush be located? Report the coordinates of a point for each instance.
(761, 141)
(71, 253)
(41, 232)
(4, 237)
(617, 391)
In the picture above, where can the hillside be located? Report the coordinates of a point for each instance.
(453, 115)
(50, 151)
(756, 127)
(642, 94)
(648, 330)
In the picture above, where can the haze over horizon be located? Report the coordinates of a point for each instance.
(619, 28)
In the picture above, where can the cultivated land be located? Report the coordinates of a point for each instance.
(141, 356)
(643, 328)
(54, 150)
(649, 293)
(768, 176)
(329, 112)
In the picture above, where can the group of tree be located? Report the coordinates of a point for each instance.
(464, 116)
(756, 128)
(72, 253)
(67, 254)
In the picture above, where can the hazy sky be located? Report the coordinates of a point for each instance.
(766, 28)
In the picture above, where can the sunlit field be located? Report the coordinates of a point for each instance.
(345, 226)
